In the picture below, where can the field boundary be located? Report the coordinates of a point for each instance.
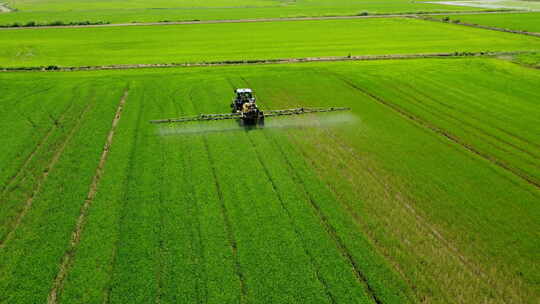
(16, 26)
(257, 61)
(76, 234)
(485, 27)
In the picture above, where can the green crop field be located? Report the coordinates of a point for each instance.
(42, 11)
(238, 41)
(423, 188)
(410, 186)
(529, 22)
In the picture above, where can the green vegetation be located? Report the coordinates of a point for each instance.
(344, 208)
(266, 40)
(426, 191)
(528, 59)
(528, 22)
(160, 10)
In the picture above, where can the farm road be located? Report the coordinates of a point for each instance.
(263, 20)
(76, 234)
(259, 61)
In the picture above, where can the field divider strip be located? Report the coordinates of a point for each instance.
(516, 172)
(43, 179)
(259, 61)
(485, 27)
(256, 20)
(76, 234)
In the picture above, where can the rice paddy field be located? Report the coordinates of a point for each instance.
(425, 191)
(528, 22)
(244, 41)
(45, 11)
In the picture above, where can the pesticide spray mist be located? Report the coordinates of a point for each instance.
(283, 122)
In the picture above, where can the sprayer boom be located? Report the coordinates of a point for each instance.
(202, 117)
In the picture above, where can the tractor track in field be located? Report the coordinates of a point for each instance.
(161, 240)
(260, 61)
(225, 214)
(57, 124)
(45, 175)
(76, 234)
(258, 20)
(202, 279)
(330, 230)
(292, 222)
(126, 187)
(443, 133)
(230, 233)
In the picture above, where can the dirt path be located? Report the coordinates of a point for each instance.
(262, 61)
(76, 234)
(4, 8)
(265, 20)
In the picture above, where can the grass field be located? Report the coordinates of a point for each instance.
(395, 202)
(41, 11)
(529, 22)
(266, 40)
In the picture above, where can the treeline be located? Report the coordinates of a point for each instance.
(53, 23)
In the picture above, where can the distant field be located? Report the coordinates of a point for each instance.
(42, 11)
(530, 5)
(520, 22)
(397, 201)
(267, 40)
